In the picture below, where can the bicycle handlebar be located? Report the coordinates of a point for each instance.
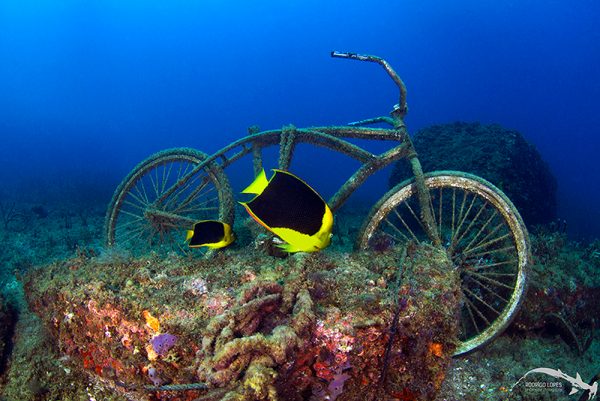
(401, 108)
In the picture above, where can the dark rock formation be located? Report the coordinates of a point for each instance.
(499, 155)
(8, 319)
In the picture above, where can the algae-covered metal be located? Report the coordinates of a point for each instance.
(467, 217)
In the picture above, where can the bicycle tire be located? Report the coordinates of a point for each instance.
(486, 274)
(136, 221)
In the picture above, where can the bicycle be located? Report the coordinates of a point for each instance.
(481, 230)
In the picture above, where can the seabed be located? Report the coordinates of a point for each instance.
(243, 325)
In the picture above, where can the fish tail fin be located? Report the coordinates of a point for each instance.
(258, 185)
(189, 234)
(229, 234)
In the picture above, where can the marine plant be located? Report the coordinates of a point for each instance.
(576, 339)
(11, 217)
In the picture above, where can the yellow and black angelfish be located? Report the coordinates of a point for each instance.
(212, 234)
(292, 210)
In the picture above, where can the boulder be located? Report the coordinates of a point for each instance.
(501, 156)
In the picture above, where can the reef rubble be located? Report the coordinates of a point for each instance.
(8, 320)
(326, 326)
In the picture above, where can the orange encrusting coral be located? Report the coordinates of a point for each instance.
(436, 349)
(151, 321)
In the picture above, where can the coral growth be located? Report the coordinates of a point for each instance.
(564, 293)
(324, 326)
(246, 343)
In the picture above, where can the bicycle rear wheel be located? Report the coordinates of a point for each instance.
(160, 199)
(483, 234)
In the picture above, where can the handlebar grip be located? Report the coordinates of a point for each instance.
(402, 108)
(355, 56)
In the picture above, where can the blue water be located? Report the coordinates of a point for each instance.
(88, 89)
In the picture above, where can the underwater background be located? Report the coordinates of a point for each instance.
(87, 90)
(90, 89)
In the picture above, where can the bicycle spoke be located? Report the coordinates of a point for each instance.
(397, 229)
(490, 291)
(141, 197)
(414, 215)
(492, 232)
(505, 262)
(440, 212)
(130, 222)
(127, 236)
(174, 197)
(144, 191)
(206, 201)
(481, 209)
(453, 211)
(475, 308)
(154, 187)
(461, 222)
(195, 193)
(507, 248)
(405, 225)
(469, 310)
(488, 221)
(179, 173)
(494, 274)
(197, 204)
(134, 205)
(495, 240)
(197, 208)
(141, 201)
(460, 217)
(485, 278)
(432, 209)
(463, 325)
(131, 218)
(131, 214)
(468, 291)
(166, 175)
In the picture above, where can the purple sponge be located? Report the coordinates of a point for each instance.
(162, 343)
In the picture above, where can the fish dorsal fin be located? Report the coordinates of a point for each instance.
(259, 184)
(189, 234)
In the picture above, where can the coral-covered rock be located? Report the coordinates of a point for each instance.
(499, 155)
(8, 320)
(327, 326)
(2, 325)
(564, 291)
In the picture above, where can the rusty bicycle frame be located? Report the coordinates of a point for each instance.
(168, 205)
(331, 137)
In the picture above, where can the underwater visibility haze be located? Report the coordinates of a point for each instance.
(88, 90)
(508, 91)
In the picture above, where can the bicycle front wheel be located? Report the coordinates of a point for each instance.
(160, 199)
(484, 237)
